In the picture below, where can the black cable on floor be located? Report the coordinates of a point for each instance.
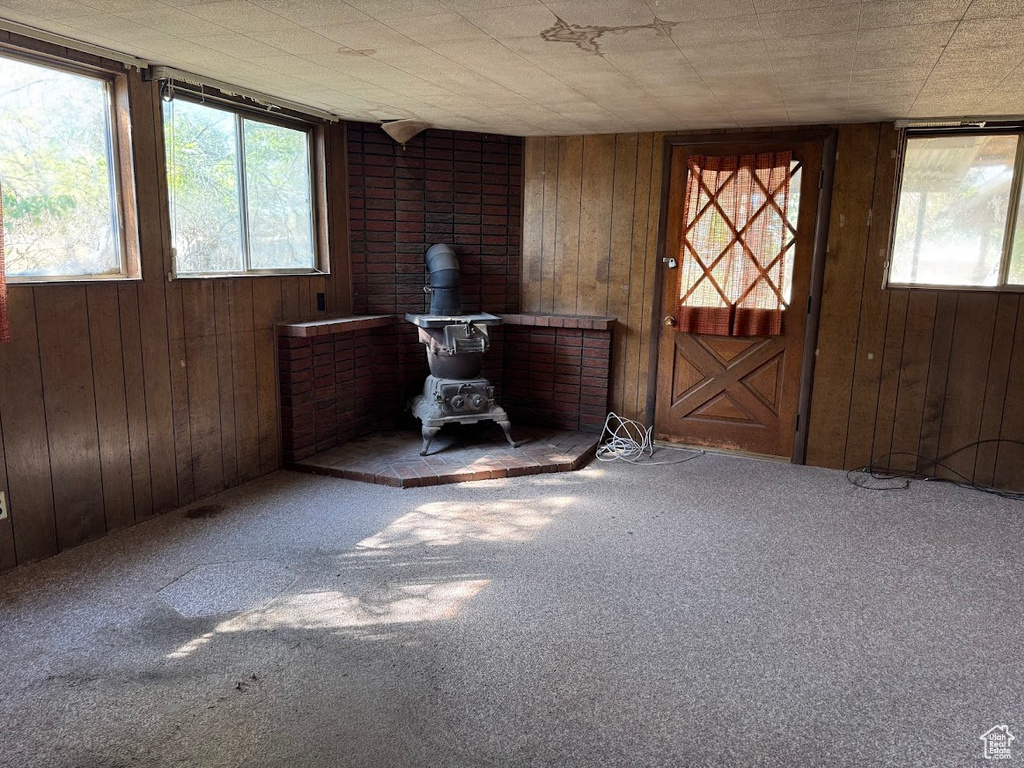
(898, 480)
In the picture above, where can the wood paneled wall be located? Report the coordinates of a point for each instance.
(897, 370)
(590, 237)
(909, 372)
(121, 400)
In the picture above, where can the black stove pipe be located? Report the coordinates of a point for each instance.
(443, 265)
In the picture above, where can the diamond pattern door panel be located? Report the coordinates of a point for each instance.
(724, 398)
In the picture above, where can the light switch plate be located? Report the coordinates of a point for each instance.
(3, 505)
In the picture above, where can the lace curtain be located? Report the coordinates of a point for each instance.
(735, 242)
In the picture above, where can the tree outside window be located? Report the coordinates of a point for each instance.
(58, 174)
(240, 192)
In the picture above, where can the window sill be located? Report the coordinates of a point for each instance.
(957, 288)
(14, 281)
(219, 275)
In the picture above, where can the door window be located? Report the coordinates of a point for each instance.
(737, 244)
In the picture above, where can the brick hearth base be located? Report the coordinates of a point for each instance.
(456, 455)
(343, 378)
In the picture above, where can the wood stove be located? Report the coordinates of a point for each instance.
(454, 392)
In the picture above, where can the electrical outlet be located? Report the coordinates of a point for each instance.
(3, 505)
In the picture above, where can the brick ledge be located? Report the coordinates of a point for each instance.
(335, 325)
(583, 322)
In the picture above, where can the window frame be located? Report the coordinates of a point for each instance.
(317, 177)
(120, 155)
(1014, 202)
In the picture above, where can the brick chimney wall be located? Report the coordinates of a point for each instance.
(464, 189)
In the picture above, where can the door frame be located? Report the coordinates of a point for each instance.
(827, 137)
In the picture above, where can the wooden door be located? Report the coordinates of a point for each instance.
(736, 392)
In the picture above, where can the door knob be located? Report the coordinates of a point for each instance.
(669, 320)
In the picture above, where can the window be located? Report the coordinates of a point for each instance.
(240, 192)
(737, 244)
(60, 172)
(959, 221)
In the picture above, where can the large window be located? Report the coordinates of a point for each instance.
(959, 221)
(60, 173)
(240, 192)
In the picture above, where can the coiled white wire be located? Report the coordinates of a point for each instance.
(626, 440)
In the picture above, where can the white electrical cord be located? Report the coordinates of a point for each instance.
(623, 439)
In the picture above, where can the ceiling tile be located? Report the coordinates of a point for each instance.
(951, 108)
(896, 13)
(917, 35)
(747, 95)
(124, 6)
(507, 23)
(816, 114)
(438, 28)
(238, 15)
(659, 75)
(109, 26)
(705, 33)
(285, 64)
(45, 9)
(398, 9)
(173, 21)
(772, 6)
(885, 74)
(481, 5)
(237, 45)
(371, 37)
(811, 69)
(807, 47)
(689, 107)
(825, 90)
(834, 19)
(899, 56)
(1002, 8)
(988, 64)
(602, 13)
(987, 33)
(176, 3)
(861, 90)
(611, 65)
(687, 11)
(756, 118)
(735, 55)
(504, 68)
(312, 13)
(297, 41)
(161, 46)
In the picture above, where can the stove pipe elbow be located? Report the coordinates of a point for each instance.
(444, 281)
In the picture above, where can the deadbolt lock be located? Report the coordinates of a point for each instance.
(669, 320)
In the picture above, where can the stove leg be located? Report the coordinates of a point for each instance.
(506, 427)
(428, 435)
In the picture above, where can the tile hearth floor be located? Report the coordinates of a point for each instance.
(456, 456)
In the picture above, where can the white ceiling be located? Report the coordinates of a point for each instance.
(580, 66)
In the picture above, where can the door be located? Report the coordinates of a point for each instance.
(723, 380)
